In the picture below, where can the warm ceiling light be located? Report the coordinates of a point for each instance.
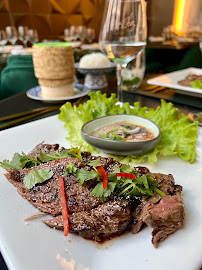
(178, 15)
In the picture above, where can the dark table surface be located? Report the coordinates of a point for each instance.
(184, 103)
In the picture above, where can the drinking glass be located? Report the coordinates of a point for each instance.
(33, 36)
(23, 34)
(67, 35)
(123, 33)
(11, 34)
(74, 32)
(90, 34)
(3, 38)
(82, 32)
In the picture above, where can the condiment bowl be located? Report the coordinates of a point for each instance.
(120, 147)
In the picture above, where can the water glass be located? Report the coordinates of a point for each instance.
(123, 33)
(133, 73)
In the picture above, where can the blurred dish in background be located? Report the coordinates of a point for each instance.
(36, 94)
(172, 79)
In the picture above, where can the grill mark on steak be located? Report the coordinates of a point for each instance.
(110, 218)
(46, 196)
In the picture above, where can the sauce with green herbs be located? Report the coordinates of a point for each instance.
(123, 131)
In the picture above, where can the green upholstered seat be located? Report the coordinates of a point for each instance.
(18, 76)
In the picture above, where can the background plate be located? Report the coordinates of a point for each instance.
(171, 80)
(35, 93)
(32, 245)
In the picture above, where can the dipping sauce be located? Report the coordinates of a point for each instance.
(123, 131)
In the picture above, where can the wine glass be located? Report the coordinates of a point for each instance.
(82, 32)
(67, 35)
(123, 33)
(12, 34)
(3, 38)
(23, 34)
(90, 34)
(74, 32)
(33, 36)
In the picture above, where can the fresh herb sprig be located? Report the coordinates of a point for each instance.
(117, 186)
(36, 177)
(73, 152)
(19, 161)
(112, 136)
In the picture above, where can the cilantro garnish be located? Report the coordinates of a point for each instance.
(117, 185)
(19, 162)
(102, 193)
(70, 168)
(112, 136)
(95, 163)
(83, 175)
(127, 127)
(73, 152)
(37, 176)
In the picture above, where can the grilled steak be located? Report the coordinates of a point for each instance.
(46, 196)
(165, 215)
(91, 217)
(110, 218)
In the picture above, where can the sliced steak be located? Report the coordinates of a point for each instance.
(110, 218)
(46, 196)
(165, 215)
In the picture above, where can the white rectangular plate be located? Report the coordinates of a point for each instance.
(171, 80)
(32, 245)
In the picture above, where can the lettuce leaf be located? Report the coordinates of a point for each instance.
(178, 133)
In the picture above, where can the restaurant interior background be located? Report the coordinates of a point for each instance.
(51, 17)
(174, 29)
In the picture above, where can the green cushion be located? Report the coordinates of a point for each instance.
(192, 58)
(18, 76)
(20, 60)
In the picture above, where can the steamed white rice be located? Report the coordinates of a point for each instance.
(94, 60)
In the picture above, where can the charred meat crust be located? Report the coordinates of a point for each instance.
(110, 218)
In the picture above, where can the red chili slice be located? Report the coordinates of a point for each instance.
(128, 175)
(103, 175)
(64, 206)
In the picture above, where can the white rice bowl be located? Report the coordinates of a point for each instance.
(94, 60)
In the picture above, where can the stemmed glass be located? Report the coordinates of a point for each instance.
(90, 34)
(123, 33)
(82, 32)
(33, 36)
(3, 38)
(12, 34)
(23, 34)
(74, 32)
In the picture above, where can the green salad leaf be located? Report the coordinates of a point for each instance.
(178, 133)
(196, 84)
